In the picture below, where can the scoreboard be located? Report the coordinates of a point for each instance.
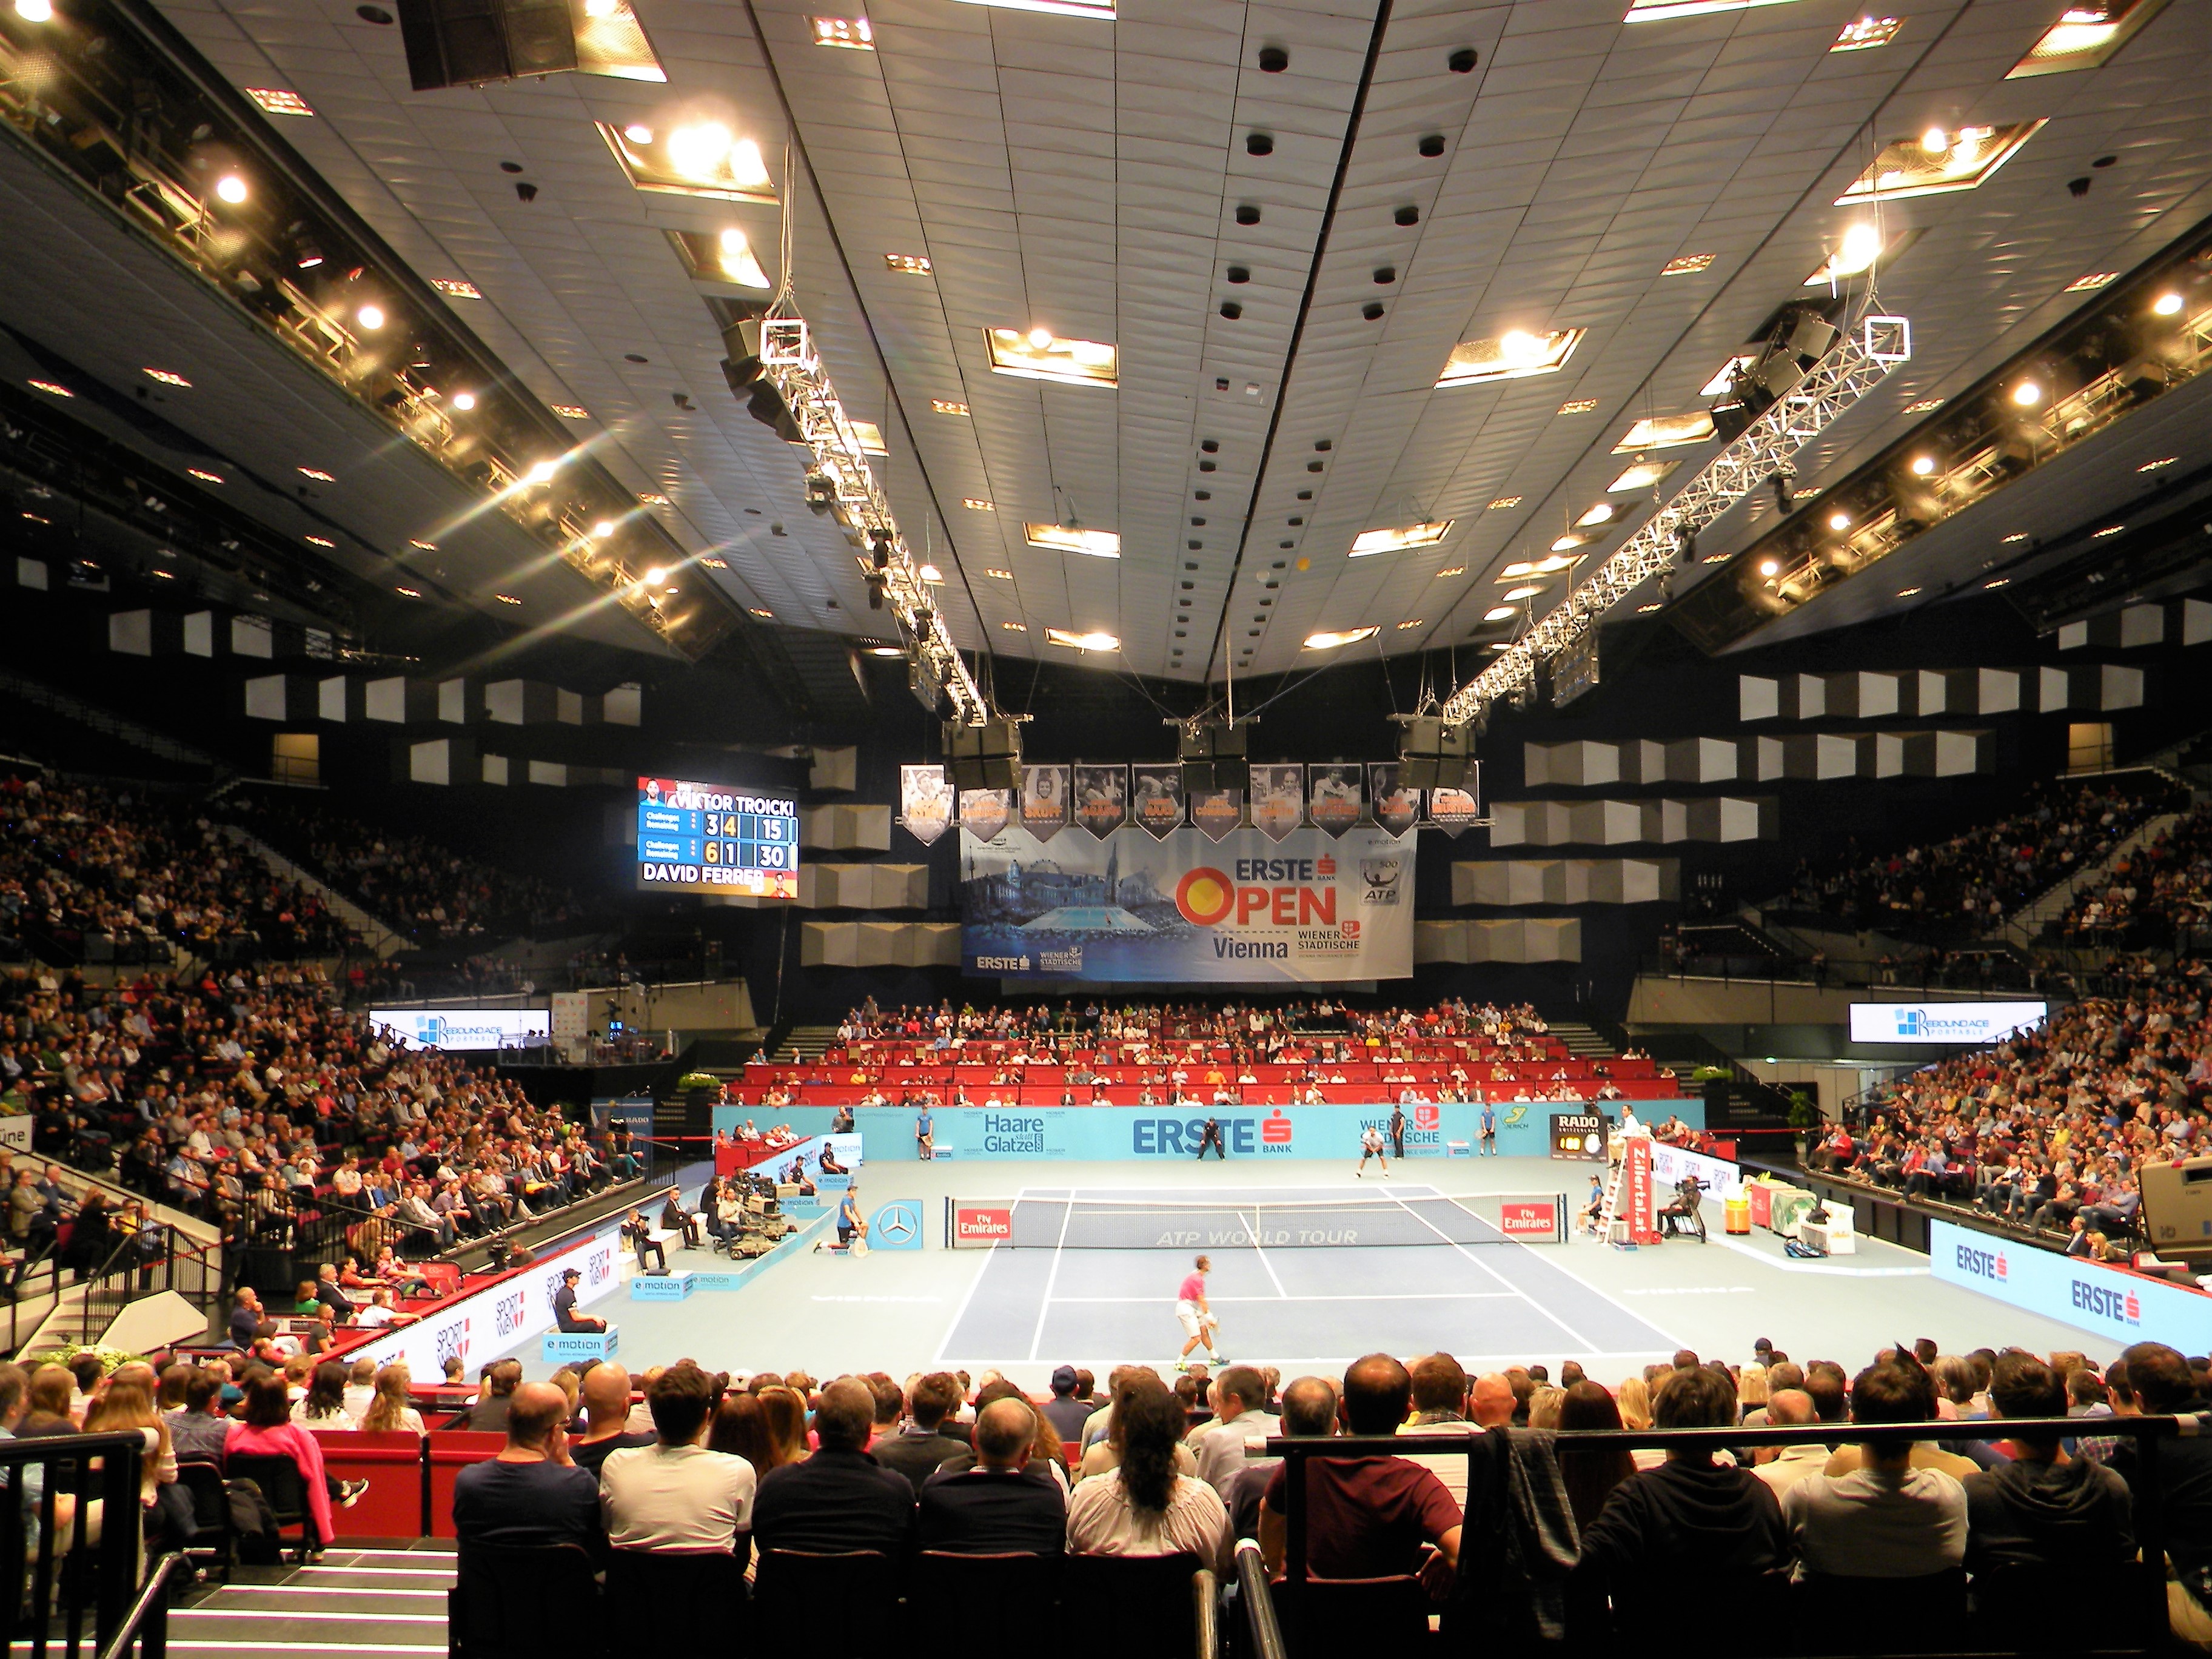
(701, 835)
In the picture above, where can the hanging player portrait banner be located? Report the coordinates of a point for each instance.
(984, 813)
(925, 802)
(1333, 799)
(1453, 809)
(1279, 800)
(1396, 810)
(1216, 812)
(1044, 801)
(1155, 799)
(1186, 910)
(1102, 798)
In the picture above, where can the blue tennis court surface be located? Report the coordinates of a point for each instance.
(1472, 1291)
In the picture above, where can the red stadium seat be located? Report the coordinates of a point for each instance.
(449, 1452)
(392, 1463)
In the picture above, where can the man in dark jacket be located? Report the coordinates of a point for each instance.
(1689, 1521)
(840, 1498)
(1001, 1506)
(2036, 1511)
(1066, 1411)
(922, 1444)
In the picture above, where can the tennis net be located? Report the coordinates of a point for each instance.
(1062, 1222)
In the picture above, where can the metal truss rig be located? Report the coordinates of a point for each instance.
(1833, 385)
(789, 363)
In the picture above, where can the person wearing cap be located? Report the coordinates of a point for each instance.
(1064, 1411)
(565, 1316)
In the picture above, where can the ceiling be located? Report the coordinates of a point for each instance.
(1084, 175)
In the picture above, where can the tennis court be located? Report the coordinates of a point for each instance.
(1302, 1276)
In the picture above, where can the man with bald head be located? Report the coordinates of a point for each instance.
(1791, 1408)
(1492, 1401)
(840, 1498)
(1002, 1506)
(1366, 1517)
(605, 1391)
(531, 1492)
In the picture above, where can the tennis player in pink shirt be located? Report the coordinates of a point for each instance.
(1199, 1324)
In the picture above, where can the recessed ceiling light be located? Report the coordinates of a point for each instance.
(1499, 503)
(52, 389)
(1906, 592)
(507, 599)
(1329, 641)
(610, 40)
(1370, 542)
(2016, 536)
(2109, 530)
(1924, 405)
(1645, 610)
(1867, 34)
(2084, 36)
(464, 401)
(1414, 622)
(408, 592)
(604, 528)
(1090, 642)
(735, 254)
(930, 573)
(762, 611)
(1101, 10)
(205, 476)
(454, 288)
(1839, 520)
(1455, 570)
(638, 133)
(701, 158)
(1499, 613)
(1093, 544)
(317, 474)
(541, 473)
(938, 406)
(1860, 251)
(35, 11)
(909, 264)
(1509, 356)
(1516, 570)
(1687, 265)
(426, 547)
(1641, 476)
(2001, 581)
(653, 499)
(851, 32)
(2163, 461)
(885, 651)
(2027, 394)
(320, 541)
(578, 412)
(168, 377)
(1715, 558)
(1039, 355)
(1922, 466)
(231, 188)
(1015, 626)
(1666, 432)
(997, 575)
(977, 504)
(1566, 541)
(1938, 162)
(870, 435)
(164, 575)
(2094, 279)
(1769, 567)
(1649, 11)
(2168, 304)
(370, 316)
(1725, 375)
(1600, 514)
(713, 564)
(1526, 590)
(1579, 406)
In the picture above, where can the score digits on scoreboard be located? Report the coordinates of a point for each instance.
(700, 835)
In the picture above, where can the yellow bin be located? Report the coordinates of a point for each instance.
(1736, 1214)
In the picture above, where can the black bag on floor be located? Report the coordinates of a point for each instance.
(254, 1524)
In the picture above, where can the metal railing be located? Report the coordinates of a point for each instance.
(47, 1489)
(2148, 1434)
(193, 1271)
(1265, 1630)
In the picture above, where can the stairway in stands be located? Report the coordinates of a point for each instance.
(1582, 1042)
(804, 1044)
(383, 1601)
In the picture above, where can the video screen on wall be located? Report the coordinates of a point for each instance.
(715, 837)
(467, 1028)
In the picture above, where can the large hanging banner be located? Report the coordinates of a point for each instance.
(1333, 796)
(1102, 798)
(1044, 801)
(1155, 799)
(925, 802)
(984, 813)
(1183, 910)
(1396, 810)
(1453, 809)
(1216, 812)
(1279, 800)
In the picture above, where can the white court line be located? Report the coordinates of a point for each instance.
(1785, 1264)
(961, 1312)
(1044, 1301)
(1580, 1339)
(1387, 1296)
(1280, 1294)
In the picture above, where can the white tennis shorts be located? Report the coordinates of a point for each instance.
(1194, 1322)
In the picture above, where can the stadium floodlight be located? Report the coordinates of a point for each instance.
(773, 366)
(1858, 363)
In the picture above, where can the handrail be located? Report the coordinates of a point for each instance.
(1259, 1600)
(149, 1614)
(1206, 1616)
(2148, 1432)
(103, 1468)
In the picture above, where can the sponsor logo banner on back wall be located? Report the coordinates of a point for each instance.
(1310, 908)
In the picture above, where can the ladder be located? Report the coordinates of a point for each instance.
(1611, 1225)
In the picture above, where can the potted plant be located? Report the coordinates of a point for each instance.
(1804, 1118)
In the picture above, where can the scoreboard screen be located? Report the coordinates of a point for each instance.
(702, 836)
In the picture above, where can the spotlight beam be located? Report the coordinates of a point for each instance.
(1854, 366)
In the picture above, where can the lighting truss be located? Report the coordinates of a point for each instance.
(788, 363)
(1859, 362)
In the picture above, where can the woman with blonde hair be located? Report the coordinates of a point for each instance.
(1633, 1396)
(388, 1412)
(122, 1408)
(1544, 1407)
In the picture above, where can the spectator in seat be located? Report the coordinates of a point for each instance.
(1789, 1408)
(1589, 1476)
(1105, 1453)
(1144, 1505)
(390, 1410)
(268, 1432)
(1439, 1398)
(244, 1317)
(1002, 1506)
(324, 1407)
(1492, 1401)
(488, 1414)
(840, 1498)
(2161, 1384)
(1886, 1519)
(199, 1429)
(1068, 1409)
(675, 1495)
(1366, 1517)
(1687, 1519)
(531, 1493)
(2040, 1510)
(920, 1444)
(605, 1391)
(1240, 1421)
